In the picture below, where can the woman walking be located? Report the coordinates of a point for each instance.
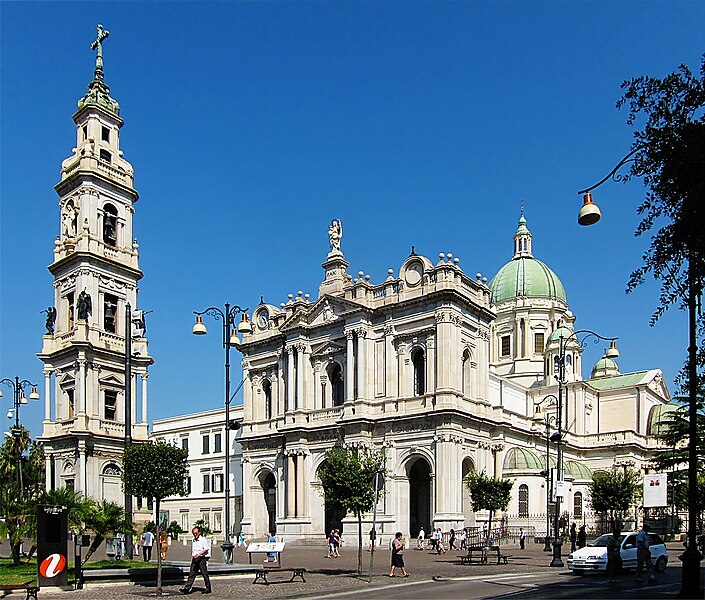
(614, 555)
(398, 555)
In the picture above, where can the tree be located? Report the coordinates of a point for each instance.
(155, 470)
(489, 493)
(173, 530)
(348, 481)
(612, 493)
(203, 527)
(106, 519)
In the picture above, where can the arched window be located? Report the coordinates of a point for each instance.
(337, 387)
(419, 361)
(267, 390)
(523, 500)
(578, 505)
(110, 225)
(466, 373)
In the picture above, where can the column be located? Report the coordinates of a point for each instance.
(299, 485)
(80, 471)
(47, 395)
(290, 379)
(145, 375)
(290, 486)
(47, 473)
(81, 400)
(431, 364)
(280, 398)
(361, 364)
(350, 369)
(300, 369)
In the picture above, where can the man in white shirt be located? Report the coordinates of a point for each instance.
(147, 542)
(200, 553)
(421, 543)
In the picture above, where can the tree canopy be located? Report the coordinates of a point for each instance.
(489, 493)
(613, 492)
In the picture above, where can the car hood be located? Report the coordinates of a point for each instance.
(584, 553)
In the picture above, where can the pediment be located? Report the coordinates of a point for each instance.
(329, 309)
(111, 380)
(658, 385)
(327, 348)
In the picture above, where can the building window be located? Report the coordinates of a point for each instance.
(205, 517)
(506, 342)
(267, 391)
(337, 387)
(578, 505)
(69, 403)
(184, 444)
(419, 361)
(110, 224)
(110, 405)
(84, 130)
(539, 345)
(217, 521)
(69, 300)
(466, 373)
(523, 500)
(217, 482)
(188, 485)
(69, 484)
(184, 520)
(217, 443)
(105, 155)
(206, 483)
(206, 444)
(105, 134)
(109, 313)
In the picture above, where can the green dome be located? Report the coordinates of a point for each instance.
(525, 276)
(659, 419)
(522, 459)
(561, 332)
(578, 470)
(605, 367)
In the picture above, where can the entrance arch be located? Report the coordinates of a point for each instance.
(468, 512)
(269, 488)
(419, 497)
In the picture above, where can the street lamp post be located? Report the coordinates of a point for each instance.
(546, 420)
(589, 215)
(230, 339)
(19, 399)
(563, 340)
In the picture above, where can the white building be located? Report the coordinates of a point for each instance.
(443, 371)
(96, 274)
(203, 435)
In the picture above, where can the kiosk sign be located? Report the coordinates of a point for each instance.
(52, 544)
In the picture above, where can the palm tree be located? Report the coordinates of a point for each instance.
(107, 519)
(13, 510)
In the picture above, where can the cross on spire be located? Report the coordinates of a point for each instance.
(98, 46)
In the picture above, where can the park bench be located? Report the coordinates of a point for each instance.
(31, 589)
(295, 572)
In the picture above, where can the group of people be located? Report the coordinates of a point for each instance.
(335, 541)
(643, 556)
(457, 541)
(578, 537)
(147, 543)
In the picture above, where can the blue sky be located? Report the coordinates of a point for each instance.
(252, 124)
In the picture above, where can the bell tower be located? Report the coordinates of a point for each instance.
(96, 274)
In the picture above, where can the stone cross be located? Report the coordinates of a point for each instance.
(98, 46)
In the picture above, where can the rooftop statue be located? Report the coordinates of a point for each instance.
(335, 234)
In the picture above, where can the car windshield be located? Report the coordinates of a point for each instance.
(602, 541)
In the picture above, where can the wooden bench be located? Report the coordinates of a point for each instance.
(31, 589)
(295, 572)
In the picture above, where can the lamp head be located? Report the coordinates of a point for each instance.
(34, 394)
(23, 398)
(199, 328)
(0, 393)
(245, 326)
(556, 437)
(9, 414)
(589, 214)
(234, 340)
(612, 351)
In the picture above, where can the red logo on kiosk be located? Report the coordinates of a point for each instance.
(52, 565)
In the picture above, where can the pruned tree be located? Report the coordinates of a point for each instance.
(155, 470)
(348, 481)
(612, 493)
(489, 493)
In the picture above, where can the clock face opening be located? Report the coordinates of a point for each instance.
(263, 319)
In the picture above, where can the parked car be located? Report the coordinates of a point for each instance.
(594, 556)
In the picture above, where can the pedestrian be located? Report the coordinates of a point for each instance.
(464, 540)
(643, 555)
(582, 537)
(421, 543)
(398, 555)
(163, 544)
(147, 541)
(522, 538)
(240, 539)
(614, 555)
(200, 553)
(573, 537)
(271, 556)
(438, 537)
(338, 542)
(451, 540)
(331, 544)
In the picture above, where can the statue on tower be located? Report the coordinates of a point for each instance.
(335, 234)
(84, 306)
(51, 319)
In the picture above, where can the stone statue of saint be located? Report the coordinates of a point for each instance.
(51, 319)
(335, 233)
(84, 306)
(69, 221)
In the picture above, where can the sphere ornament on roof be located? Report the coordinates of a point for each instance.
(524, 275)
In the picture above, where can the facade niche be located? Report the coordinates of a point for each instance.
(418, 359)
(110, 225)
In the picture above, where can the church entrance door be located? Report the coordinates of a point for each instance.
(270, 499)
(419, 497)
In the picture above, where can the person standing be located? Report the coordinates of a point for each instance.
(464, 540)
(451, 540)
(573, 537)
(582, 537)
(614, 555)
(163, 544)
(271, 556)
(147, 541)
(200, 553)
(398, 555)
(421, 543)
(522, 538)
(643, 555)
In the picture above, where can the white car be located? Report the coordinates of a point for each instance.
(594, 556)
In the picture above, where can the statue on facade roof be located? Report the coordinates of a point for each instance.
(51, 319)
(335, 234)
(84, 305)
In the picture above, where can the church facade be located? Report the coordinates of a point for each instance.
(449, 374)
(96, 273)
